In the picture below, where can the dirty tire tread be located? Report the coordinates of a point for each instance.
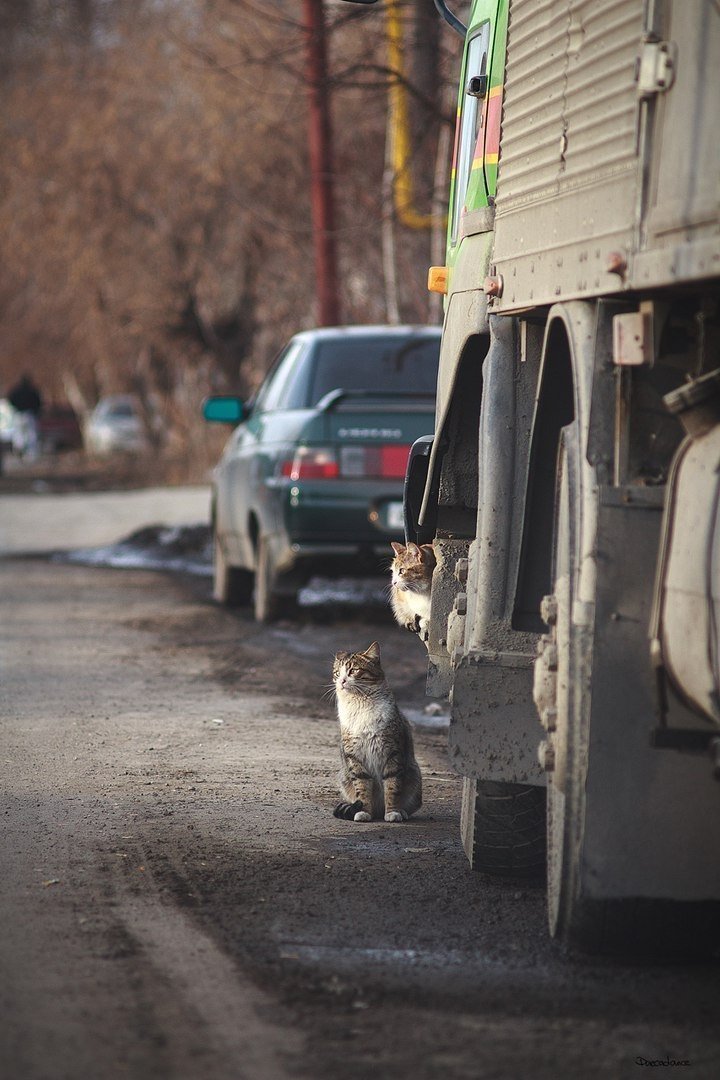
(507, 822)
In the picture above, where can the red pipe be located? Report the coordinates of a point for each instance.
(321, 160)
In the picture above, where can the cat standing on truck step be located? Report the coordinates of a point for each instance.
(412, 571)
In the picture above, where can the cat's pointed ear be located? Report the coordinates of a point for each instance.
(427, 553)
(397, 548)
(373, 651)
(413, 549)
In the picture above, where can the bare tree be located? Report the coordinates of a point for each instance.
(154, 201)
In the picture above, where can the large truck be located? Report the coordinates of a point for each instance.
(572, 485)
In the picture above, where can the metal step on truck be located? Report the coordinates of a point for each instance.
(572, 485)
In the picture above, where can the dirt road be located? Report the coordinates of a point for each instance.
(178, 902)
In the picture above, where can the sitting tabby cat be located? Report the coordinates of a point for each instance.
(412, 571)
(379, 776)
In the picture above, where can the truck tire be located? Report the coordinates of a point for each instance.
(503, 828)
(586, 925)
(232, 586)
(596, 926)
(565, 802)
(642, 926)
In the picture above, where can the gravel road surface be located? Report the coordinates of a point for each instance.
(178, 903)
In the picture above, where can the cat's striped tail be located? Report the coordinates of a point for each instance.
(347, 810)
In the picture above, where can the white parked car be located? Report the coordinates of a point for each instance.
(7, 425)
(115, 425)
(18, 431)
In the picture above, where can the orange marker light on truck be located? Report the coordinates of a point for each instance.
(438, 279)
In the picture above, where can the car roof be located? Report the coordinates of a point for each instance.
(118, 399)
(340, 333)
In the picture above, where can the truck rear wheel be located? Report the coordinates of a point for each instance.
(568, 916)
(503, 828)
(592, 925)
(642, 926)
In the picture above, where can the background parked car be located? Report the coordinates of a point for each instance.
(311, 479)
(115, 426)
(59, 429)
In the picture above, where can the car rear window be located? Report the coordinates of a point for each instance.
(122, 411)
(408, 364)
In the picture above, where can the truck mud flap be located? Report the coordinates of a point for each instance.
(494, 729)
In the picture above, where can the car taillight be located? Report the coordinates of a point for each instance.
(386, 462)
(311, 463)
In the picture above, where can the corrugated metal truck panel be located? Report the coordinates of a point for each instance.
(530, 154)
(601, 97)
(681, 234)
(569, 173)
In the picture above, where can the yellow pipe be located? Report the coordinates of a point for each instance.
(403, 192)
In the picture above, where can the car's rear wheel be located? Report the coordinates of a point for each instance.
(270, 601)
(232, 586)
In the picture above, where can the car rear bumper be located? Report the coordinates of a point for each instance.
(343, 514)
(338, 551)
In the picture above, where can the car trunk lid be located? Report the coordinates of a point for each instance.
(370, 433)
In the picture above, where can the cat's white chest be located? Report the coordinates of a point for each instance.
(355, 715)
(409, 606)
(419, 603)
(365, 724)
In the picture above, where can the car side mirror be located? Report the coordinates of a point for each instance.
(224, 410)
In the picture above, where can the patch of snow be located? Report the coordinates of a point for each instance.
(357, 592)
(183, 548)
(420, 718)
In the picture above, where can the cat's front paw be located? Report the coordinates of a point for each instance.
(347, 810)
(362, 815)
(395, 815)
(413, 625)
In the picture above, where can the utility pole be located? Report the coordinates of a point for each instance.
(321, 164)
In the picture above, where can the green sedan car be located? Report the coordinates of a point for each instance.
(311, 479)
